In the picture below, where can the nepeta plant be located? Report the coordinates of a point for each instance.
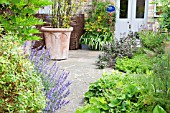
(56, 87)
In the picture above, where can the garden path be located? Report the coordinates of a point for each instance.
(83, 71)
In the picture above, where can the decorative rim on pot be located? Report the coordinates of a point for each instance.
(49, 29)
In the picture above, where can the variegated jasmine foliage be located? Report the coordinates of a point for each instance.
(20, 86)
(56, 85)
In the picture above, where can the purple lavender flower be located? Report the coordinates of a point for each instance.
(56, 86)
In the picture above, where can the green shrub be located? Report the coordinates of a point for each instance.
(165, 9)
(116, 94)
(139, 63)
(17, 17)
(20, 87)
(120, 93)
(162, 73)
(152, 41)
(160, 81)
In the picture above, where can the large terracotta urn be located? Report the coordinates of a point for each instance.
(57, 41)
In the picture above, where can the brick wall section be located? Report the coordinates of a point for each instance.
(151, 18)
(85, 7)
(151, 12)
(88, 5)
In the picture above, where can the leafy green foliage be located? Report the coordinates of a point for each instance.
(139, 64)
(116, 94)
(165, 20)
(126, 46)
(159, 109)
(160, 81)
(98, 26)
(20, 87)
(152, 41)
(119, 93)
(99, 19)
(95, 41)
(17, 17)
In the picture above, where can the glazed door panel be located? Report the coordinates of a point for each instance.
(131, 15)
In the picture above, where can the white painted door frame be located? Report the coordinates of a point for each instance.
(130, 23)
(139, 23)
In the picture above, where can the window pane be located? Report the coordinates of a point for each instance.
(140, 8)
(123, 9)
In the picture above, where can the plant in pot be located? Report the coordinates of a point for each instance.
(57, 35)
(99, 27)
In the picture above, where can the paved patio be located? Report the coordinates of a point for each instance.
(81, 65)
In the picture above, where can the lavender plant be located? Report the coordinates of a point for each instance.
(56, 87)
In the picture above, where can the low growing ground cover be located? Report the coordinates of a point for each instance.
(139, 63)
(125, 93)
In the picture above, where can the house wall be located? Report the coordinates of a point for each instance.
(151, 18)
(87, 4)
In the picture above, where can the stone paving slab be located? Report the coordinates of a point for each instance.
(81, 65)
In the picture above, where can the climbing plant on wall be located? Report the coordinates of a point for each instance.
(165, 16)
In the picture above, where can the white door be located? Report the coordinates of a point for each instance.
(131, 15)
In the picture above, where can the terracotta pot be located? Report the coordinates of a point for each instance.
(57, 41)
